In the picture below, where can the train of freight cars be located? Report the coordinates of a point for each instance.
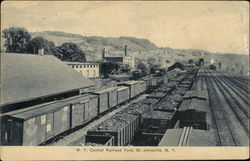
(151, 116)
(37, 124)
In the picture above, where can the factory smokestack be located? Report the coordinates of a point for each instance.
(125, 50)
(103, 54)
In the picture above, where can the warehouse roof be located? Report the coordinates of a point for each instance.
(27, 76)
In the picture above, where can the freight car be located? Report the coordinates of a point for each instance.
(122, 126)
(134, 88)
(122, 94)
(37, 124)
(113, 126)
(107, 98)
(99, 140)
(157, 121)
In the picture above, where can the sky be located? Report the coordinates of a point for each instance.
(215, 26)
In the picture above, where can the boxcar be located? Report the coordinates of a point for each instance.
(142, 86)
(112, 97)
(122, 94)
(147, 80)
(37, 124)
(83, 109)
(107, 98)
(102, 100)
(133, 87)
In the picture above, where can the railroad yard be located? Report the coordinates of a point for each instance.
(183, 112)
(201, 107)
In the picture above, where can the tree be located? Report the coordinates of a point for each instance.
(142, 67)
(107, 68)
(176, 65)
(39, 42)
(190, 61)
(16, 39)
(70, 52)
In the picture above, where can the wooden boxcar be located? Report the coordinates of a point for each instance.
(107, 98)
(142, 86)
(37, 124)
(83, 109)
(133, 87)
(122, 94)
(147, 80)
(102, 100)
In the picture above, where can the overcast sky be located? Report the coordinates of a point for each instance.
(214, 26)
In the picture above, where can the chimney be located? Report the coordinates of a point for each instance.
(41, 52)
(125, 50)
(103, 54)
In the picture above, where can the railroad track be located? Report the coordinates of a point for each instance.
(242, 116)
(234, 95)
(240, 83)
(224, 131)
(240, 91)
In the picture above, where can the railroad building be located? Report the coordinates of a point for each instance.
(28, 79)
(88, 70)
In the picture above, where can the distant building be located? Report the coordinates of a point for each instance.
(28, 79)
(88, 70)
(130, 61)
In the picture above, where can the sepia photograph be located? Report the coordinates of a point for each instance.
(124, 80)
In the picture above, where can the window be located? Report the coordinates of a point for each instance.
(73, 66)
(76, 66)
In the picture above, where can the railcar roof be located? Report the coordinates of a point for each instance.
(47, 107)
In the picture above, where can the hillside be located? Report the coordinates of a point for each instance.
(140, 48)
(93, 45)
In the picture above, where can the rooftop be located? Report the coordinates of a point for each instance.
(27, 76)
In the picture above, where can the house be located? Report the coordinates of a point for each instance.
(28, 79)
(88, 70)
